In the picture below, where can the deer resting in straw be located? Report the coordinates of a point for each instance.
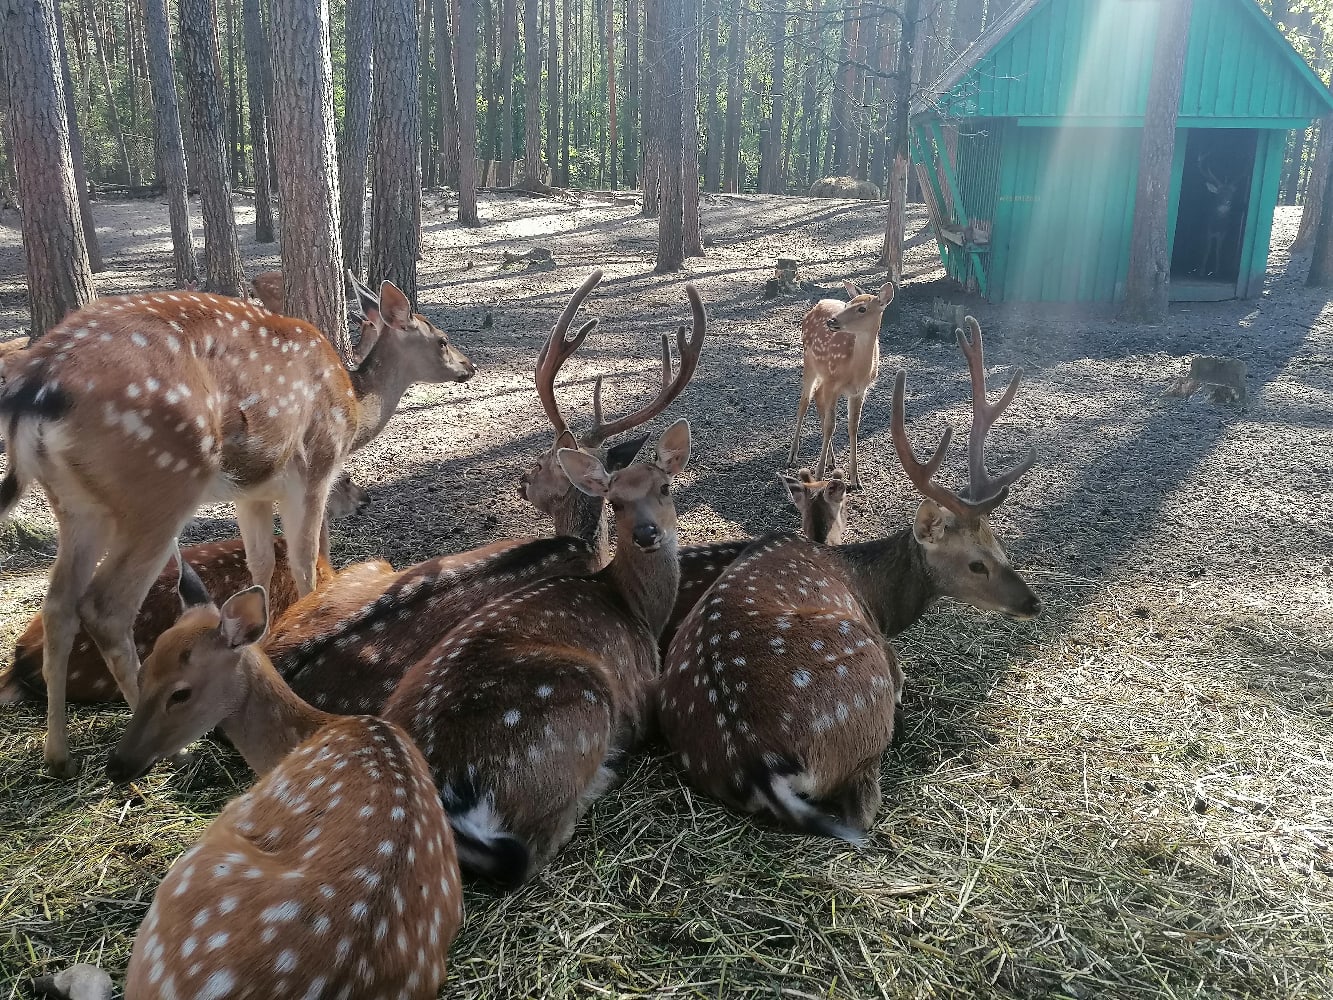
(841, 358)
(136, 409)
(777, 695)
(335, 875)
(527, 709)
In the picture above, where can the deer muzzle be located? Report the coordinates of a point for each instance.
(648, 537)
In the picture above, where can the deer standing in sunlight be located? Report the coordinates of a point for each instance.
(335, 875)
(841, 358)
(136, 409)
(778, 693)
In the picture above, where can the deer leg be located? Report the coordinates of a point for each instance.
(860, 799)
(807, 388)
(854, 404)
(302, 512)
(828, 413)
(76, 559)
(255, 518)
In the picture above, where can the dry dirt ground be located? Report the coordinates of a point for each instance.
(1129, 797)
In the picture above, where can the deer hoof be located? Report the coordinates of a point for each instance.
(65, 767)
(854, 486)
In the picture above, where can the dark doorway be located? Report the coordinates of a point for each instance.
(1214, 203)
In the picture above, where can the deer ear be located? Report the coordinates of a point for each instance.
(584, 471)
(370, 335)
(673, 448)
(244, 617)
(836, 490)
(886, 293)
(853, 289)
(795, 487)
(930, 524)
(621, 455)
(394, 306)
(565, 439)
(193, 593)
(370, 306)
(1212, 188)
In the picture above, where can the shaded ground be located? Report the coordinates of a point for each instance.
(1129, 797)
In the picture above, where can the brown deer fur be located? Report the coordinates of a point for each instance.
(136, 409)
(777, 694)
(334, 875)
(527, 708)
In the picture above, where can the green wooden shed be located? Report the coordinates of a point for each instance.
(1027, 149)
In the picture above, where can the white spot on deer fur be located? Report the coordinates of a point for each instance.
(217, 940)
(286, 961)
(511, 717)
(133, 391)
(218, 985)
(801, 678)
(139, 339)
(287, 910)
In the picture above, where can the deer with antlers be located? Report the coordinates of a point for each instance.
(335, 875)
(1220, 218)
(778, 692)
(841, 358)
(527, 709)
(136, 409)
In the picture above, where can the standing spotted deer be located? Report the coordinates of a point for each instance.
(335, 875)
(841, 358)
(135, 410)
(527, 709)
(778, 692)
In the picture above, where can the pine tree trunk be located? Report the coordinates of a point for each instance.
(567, 66)
(505, 90)
(842, 119)
(8, 184)
(424, 37)
(1314, 191)
(312, 256)
(967, 23)
(735, 75)
(222, 254)
(712, 106)
(256, 60)
(883, 109)
(396, 124)
(233, 101)
(170, 144)
(654, 74)
(892, 256)
(1321, 261)
(532, 100)
(491, 140)
(86, 219)
(810, 100)
(1147, 284)
(633, 128)
(611, 92)
(112, 114)
(466, 77)
(693, 238)
(59, 280)
(669, 116)
(359, 86)
(770, 172)
(448, 94)
(552, 94)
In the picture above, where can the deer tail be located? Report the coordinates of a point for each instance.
(484, 847)
(772, 792)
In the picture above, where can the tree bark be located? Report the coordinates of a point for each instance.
(567, 66)
(532, 90)
(59, 279)
(630, 160)
(654, 73)
(312, 256)
(359, 86)
(170, 144)
(222, 254)
(1314, 192)
(86, 219)
(611, 92)
(712, 106)
(508, 50)
(491, 140)
(735, 75)
(1148, 282)
(467, 113)
(112, 114)
(883, 103)
(770, 172)
(669, 114)
(448, 96)
(693, 238)
(396, 172)
(256, 61)
(892, 256)
(811, 100)
(552, 94)
(842, 117)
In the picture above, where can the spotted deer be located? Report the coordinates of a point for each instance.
(527, 709)
(545, 485)
(335, 875)
(778, 692)
(267, 287)
(841, 358)
(133, 411)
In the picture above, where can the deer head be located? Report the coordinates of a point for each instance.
(821, 502)
(864, 310)
(425, 346)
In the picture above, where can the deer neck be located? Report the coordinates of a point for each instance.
(379, 386)
(271, 719)
(892, 579)
(585, 517)
(646, 581)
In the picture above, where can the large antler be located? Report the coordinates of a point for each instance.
(559, 346)
(671, 388)
(981, 484)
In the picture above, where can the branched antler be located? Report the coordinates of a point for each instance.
(558, 349)
(982, 485)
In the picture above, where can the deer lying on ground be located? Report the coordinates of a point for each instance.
(135, 410)
(841, 358)
(335, 874)
(778, 693)
(527, 709)
(222, 567)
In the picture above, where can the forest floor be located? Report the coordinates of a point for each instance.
(1131, 796)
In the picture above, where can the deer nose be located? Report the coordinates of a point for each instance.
(1031, 607)
(647, 536)
(119, 770)
(832, 324)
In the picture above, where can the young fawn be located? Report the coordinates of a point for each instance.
(527, 709)
(778, 692)
(335, 875)
(136, 409)
(841, 358)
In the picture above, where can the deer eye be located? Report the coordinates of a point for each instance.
(860, 309)
(442, 341)
(180, 696)
(978, 567)
(666, 490)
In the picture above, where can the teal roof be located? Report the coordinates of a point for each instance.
(1091, 59)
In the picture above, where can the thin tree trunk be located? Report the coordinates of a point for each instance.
(567, 66)
(395, 178)
(552, 94)
(630, 160)
(222, 253)
(735, 76)
(170, 144)
(693, 238)
(8, 183)
(810, 99)
(448, 96)
(1147, 284)
(654, 73)
(892, 256)
(256, 61)
(467, 113)
(532, 99)
(491, 141)
(770, 172)
(233, 100)
(612, 144)
(86, 219)
(669, 115)
(59, 279)
(359, 85)
(312, 256)
(1314, 192)
(883, 102)
(508, 50)
(423, 95)
(712, 106)
(843, 116)
(112, 114)
(1321, 262)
